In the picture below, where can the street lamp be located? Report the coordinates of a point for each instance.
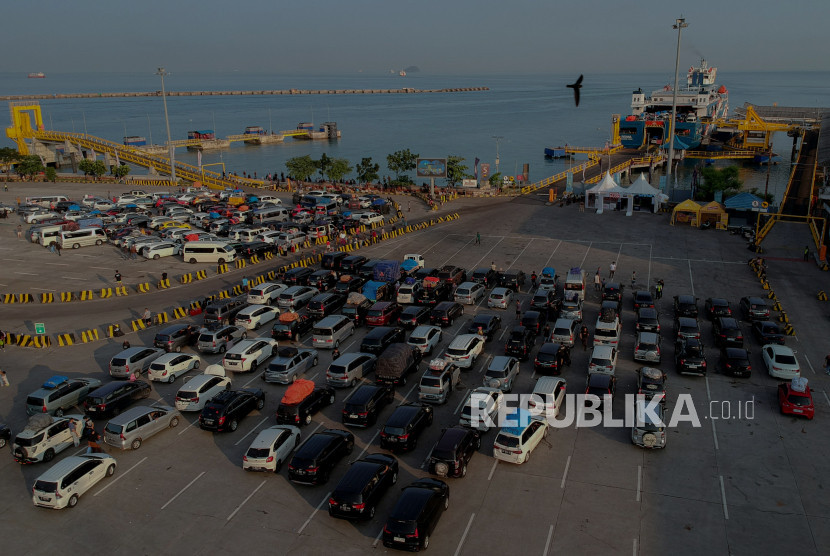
(498, 138)
(679, 24)
(171, 149)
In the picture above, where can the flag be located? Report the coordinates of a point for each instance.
(199, 159)
(475, 169)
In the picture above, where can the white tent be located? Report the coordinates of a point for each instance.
(605, 194)
(641, 188)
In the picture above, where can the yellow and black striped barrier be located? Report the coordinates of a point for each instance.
(269, 255)
(179, 313)
(90, 335)
(25, 298)
(237, 290)
(67, 296)
(138, 324)
(9, 298)
(121, 291)
(201, 274)
(776, 306)
(253, 259)
(66, 340)
(106, 293)
(143, 287)
(224, 294)
(112, 329)
(783, 317)
(222, 268)
(771, 295)
(789, 330)
(822, 296)
(240, 263)
(186, 278)
(85, 295)
(27, 340)
(195, 305)
(163, 284)
(161, 318)
(47, 297)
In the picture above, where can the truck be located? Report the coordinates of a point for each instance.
(438, 381)
(377, 291)
(387, 271)
(412, 262)
(396, 361)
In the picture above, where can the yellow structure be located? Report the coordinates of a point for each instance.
(687, 212)
(21, 128)
(752, 131)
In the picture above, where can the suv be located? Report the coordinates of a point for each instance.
(174, 337)
(735, 362)
(651, 382)
(613, 291)
(716, 307)
(224, 411)
(647, 347)
(289, 363)
(248, 355)
(486, 403)
(767, 332)
(296, 297)
(413, 316)
(359, 491)
(452, 274)
(219, 340)
(520, 342)
(298, 276)
(438, 381)
(332, 261)
(485, 276)
(383, 313)
(453, 451)
(351, 264)
(647, 320)
(685, 306)
(488, 324)
(357, 312)
(690, 357)
(551, 358)
(416, 514)
(224, 311)
(313, 461)
(502, 373)
(363, 407)
(348, 284)
(433, 292)
(300, 412)
(686, 327)
(445, 313)
(324, 304)
(754, 308)
(464, 350)
(111, 398)
(134, 360)
(643, 298)
(535, 321)
(728, 332)
(58, 394)
(292, 329)
(543, 300)
(512, 280)
(403, 427)
(43, 438)
(323, 279)
(378, 339)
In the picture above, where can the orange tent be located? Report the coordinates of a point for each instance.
(298, 391)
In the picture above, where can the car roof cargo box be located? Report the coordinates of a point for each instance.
(394, 360)
(298, 391)
(289, 317)
(355, 298)
(38, 421)
(215, 370)
(799, 384)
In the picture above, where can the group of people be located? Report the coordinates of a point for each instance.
(85, 431)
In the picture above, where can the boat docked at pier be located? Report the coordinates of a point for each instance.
(699, 104)
(256, 135)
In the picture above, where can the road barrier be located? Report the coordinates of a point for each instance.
(66, 339)
(90, 335)
(47, 297)
(143, 287)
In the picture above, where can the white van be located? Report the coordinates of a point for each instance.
(47, 235)
(247, 234)
(551, 391)
(269, 199)
(514, 444)
(329, 332)
(67, 480)
(270, 214)
(575, 282)
(48, 201)
(208, 252)
(82, 238)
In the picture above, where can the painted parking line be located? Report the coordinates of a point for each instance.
(44, 289)
(807, 359)
(57, 264)
(239, 507)
(252, 430)
(71, 278)
(547, 542)
(565, 474)
(312, 377)
(114, 480)
(464, 399)
(464, 536)
(582, 264)
(501, 238)
(503, 332)
(199, 476)
(377, 432)
(457, 252)
(691, 278)
(253, 379)
(101, 267)
(826, 398)
(492, 470)
(712, 421)
(723, 498)
(516, 258)
(377, 539)
(639, 481)
(28, 273)
(634, 551)
(648, 278)
(187, 428)
(317, 509)
(414, 386)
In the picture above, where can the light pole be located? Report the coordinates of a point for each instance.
(679, 24)
(170, 147)
(498, 138)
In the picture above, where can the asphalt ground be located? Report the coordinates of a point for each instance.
(735, 485)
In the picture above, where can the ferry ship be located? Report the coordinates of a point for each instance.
(37, 75)
(699, 104)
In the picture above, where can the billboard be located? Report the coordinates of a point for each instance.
(485, 172)
(431, 168)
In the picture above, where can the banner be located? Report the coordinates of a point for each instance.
(475, 169)
(431, 168)
(485, 172)
(469, 183)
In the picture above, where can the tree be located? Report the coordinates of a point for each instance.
(769, 197)
(120, 171)
(85, 166)
(323, 165)
(337, 169)
(51, 174)
(95, 168)
(367, 171)
(8, 156)
(301, 167)
(495, 180)
(456, 171)
(29, 165)
(401, 161)
(714, 180)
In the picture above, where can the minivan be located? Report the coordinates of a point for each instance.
(332, 261)
(363, 407)
(329, 332)
(134, 360)
(208, 252)
(82, 238)
(220, 339)
(347, 369)
(59, 394)
(575, 282)
(416, 514)
(223, 311)
(175, 336)
(112, 398)
(298, 276)
(69, 479)
(324, 304)
(361, 488)
(514, 444)
(564, 332)
(137, 424)
(551, 396)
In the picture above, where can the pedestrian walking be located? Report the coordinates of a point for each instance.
(658, 289)
(245, 286)
(4, 380)
(133, 252)
(335, 354)
(612, 268)
(597, 281)
(493, 266)
(73, 431)
(633, 278)
(58, 248)
(148, 317)
(89, 428)
(117, 277)
(806, 252)
(19, 231)
(533, 278)
(478, 238)
(583, 335)
(52, 247)
(518, 309)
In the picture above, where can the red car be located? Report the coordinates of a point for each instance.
(794, 398)
(383, 313)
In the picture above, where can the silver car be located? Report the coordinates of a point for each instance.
(502, 373)
(500, 298)
(289, 363)
(128, 430)
(58, 394)
(220, 339)
(647, 347)
(296, 297)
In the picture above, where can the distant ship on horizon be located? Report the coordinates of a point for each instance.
(402, 73)
(37, 75)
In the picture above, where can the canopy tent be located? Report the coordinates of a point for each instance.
(642, 188)
(714, 213)
(687, 212)
(606, 192)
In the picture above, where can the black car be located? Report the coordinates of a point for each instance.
(363, 407)
(63, 206)
(381, 337)
(292, 330)
(601, 385)
(333, 261)
(175, 336)
(647, 320)
(357, 312)
(402, 428)
(359, 491)
(316, 457)
(433, 293)
(767, 332)
(485, 276)
(323, 280)
(754, 308)
(224, 411)
(609, 311)
(717, 307)
(416, 514)
(544, 300)
(298, 276)
(112, 398)
(453, 451)
(351, 264)
(426, 272)
(452, 274)
(5, 435)
(520, 342)
(643, 298)
(685, 306)
(324, 304)
(651, 382)
(367, 269)
(735, 362)
(727, 332)
(551, 358)
(512, 280)
(613, 291)
(257, 248)
(690, 356)
(445, 313)
(413, 315)
(488, 324)
(535, 320)
(300, 413)
(349, 283)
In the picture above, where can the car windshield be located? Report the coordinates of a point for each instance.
(233, 356)
(795, 399)
(606, 332)
(394, 431)
(375, 313)
(46, 486)
(507, 440)
(496, 296)
(258, 452)
(430, 381)
(648, 347)
(601, 361)
(496, 373)
(785, 359)
(457, 352)
(31, 441)
(205, 338)
(546, 357)
(278, 367)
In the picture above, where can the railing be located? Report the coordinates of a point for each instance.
(718, 155)
(556, 177)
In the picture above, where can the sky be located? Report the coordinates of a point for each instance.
(450, 37)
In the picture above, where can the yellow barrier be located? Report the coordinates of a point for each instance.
(66, 340)
(179, 313)
(224, 294)
(240, 263)
(86, 295)
(163, 284)
(121, 291)
(66, 296)
(106, 292)
(90, 335)
(9, 298)
(111, 330)
(143, 287)
(222, 268)
(269, 255)
(201, 274)
(161, 318)
(822, 296)
(138, 324)
(47, 297)
(237, 290)
(186, 278)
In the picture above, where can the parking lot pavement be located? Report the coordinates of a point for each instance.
(730, 485)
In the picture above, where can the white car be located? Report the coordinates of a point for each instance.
(407, 293)
(425, 337)
(465, 349)
(369, 218)
(103, 205)
(780, 362)
(171, 366)
(75, 215)
(255, 316)
(487, 402)
(160, 249)
(249, 354)
(200, 389)
(38, 216)
(271, 448)
(603, 359)
(41, 440)
(266, 293)
(365, 202)
(269, 237)
(500, 298)
(65, 482)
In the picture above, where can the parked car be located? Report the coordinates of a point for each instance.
(500, 298)
(248, 355)
(383, 313)
(690, 356)
(254, 316)
(360, 490)
(219, 339)
(535, 321)
(686, 327)
(481, 409)
(648, 429)
(685, 306)
(289, 363)
(651, 382)
(795, 398)
(452, 274)
(68, 480)
(416, 514)
(469, 293)
(603, 359)
(502, 373)
(347, 369)
(601, 385)
(452, 453)
(288, 328)
(363, 407)
(613, 291)
(551, 359)
(754, 308)
(486, 324)
(43, 438)
(485, 276)
(780, 361)
(58, 394)
(296, 297)
(227, 408)
(425, 338)
(520, 342)
(271, 448)
(113, 398)
(197, 391)
(130, 429)
(413, 315)
(464, 350)
(174, 337)
(404, 426)
(647, 347)
(767, 332)
(408, 293)
(324, 304)
(316, 457)
(716, 307)
(301, 401)
(647, 320)
(170, 366)
(512, 280)
(445, 313)
(266, 293)
(381, 337)
(734, 361)
(643, 298)
(438, 381)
